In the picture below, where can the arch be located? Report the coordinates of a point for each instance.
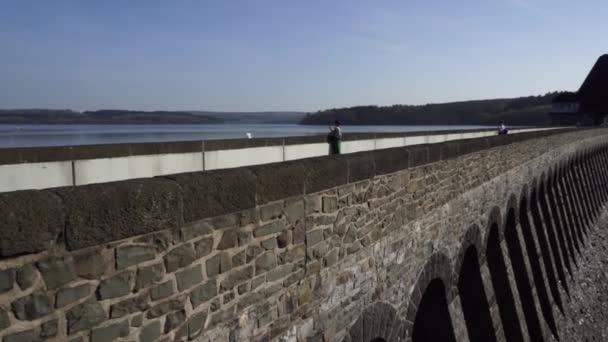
(473, 297)
(472, 237)
(428, 307)
(522, 280)
(494, 220)
(512, 204)
(378, 322)
(501, 285)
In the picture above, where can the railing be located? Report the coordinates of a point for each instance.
(49, 167)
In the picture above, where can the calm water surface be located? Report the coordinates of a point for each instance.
(65, 135)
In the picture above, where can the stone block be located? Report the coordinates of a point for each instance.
(165, 307)
(269, 244)
(325, 173)
(129, 306)
(265, 262)
(330, 204)
(391, 160)
(279, 272)
(100, 213)
(284, 239)
(85, 316)
(31, 222)
(419, 155)
(229, 239)
(196, 323)
(137, 321)
(195, 229)
(132, 255)
(7, 280)
(218, 264)
(294, 210)
(313, 237)
(31, 307)
(270, 228)
(174, 320)
(203, 293)
(239, 259)
(279, 180)
(179, 257)
(189, 277)
(150, 332)
(49, 329)
(116, 286)
(214, 193)
(361, 166)
(91, 264)
(111, 332)
(149, 275)
(162, 291)
(271, 211)
(236, 277)
(26, 277)
(23, 336)
(203, 247)
(56, 271)
(70, 295)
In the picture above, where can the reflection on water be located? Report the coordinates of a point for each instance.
(65, 135)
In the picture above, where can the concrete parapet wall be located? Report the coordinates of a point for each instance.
(329, 248)
(49, 167)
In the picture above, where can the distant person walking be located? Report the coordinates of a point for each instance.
(335, 138)
(502, 129)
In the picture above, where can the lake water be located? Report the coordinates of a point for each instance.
(66, 135)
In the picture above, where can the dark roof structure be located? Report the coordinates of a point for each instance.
(565, 97)
(593, 94)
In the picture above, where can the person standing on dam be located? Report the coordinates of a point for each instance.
(334, 138)
(502, 128)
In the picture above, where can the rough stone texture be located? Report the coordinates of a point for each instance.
(84, 316)
(99, 213)
(70, 295)
(347, 262)
(24, 336)
(49, 329)
(32, 307)
(111, 332)
(26, 276)
(28, 214)
(7, 278)
(56, 271)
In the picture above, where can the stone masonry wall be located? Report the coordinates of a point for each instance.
(300, 251)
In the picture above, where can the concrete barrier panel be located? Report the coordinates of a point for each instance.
(436, 138)
(293, 152)
(453, 136)
(353, 146)
(224, 159)
(416, 140)
(35, 175)
(115, 169)
(389, 143)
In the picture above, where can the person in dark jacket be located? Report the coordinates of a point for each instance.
(335, 138)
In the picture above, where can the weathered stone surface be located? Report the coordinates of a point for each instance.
(77, 339)
(325, 173)
(32, 307)
(179, 257)
(7, 279)
(214, 193)
(24, 336)
(313, 237)
(129, 306)
(149, 275)
(137, 321)
(116, 286)
(91, 264)
(85, 316)
(49, 329)
(174, 320)
(269, 244)
(279, 272)
(195, 229)
(330, 204)
(166, 306)
(229, 239)
(270, 228)
(4, 321)
(56, 271)
(189, 277)
(28, 214)
(70, 295)
(196, 324)
(203, 247)
(279, 180)
(295, 211)
(239, 259)
(100, 213)
(111, 332)
(218, 264)
(203, 293)
(236, 277)
(265, 262)
(133, 255)
(162, 291)
(150, 332)
(26, 277)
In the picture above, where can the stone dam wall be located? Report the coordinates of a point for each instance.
(465, 240)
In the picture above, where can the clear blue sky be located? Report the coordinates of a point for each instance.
(250, 55)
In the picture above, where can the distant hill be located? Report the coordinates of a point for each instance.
(529, 110)
(119, 116)
(49, 116)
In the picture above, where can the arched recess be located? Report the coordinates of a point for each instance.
(470, 287)
(500, 280)
(522, 281)
(428, 308)
(378, 322)
(559, 220)
(566, 205)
